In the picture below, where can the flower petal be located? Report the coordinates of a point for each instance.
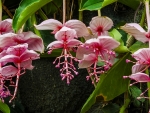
(73, 43)
(135, 30)
(87, 61)
(6, 40)
(142, 56)
(99, 25)
(55, 45)
(108, 42)
(50, 24)
(140, 77)
(8, 70)
(78, 26)
(65, 33)
(27, 64)
(83, 50)
(6, 26)
(137, 68)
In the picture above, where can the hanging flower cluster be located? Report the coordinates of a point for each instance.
(98, 46)
(140, 72)
(16, 54)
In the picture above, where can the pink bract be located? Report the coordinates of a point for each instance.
(6, 26)
(137, 31)
(55, 25)
(100, 25)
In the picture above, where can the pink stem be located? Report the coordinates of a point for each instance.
(147, 14)
(17, 81)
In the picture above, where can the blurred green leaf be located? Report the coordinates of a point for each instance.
(117, 36)
(4, 107)
(111, 84)
(94, 4)
(135, 92)
(111, 108)
(25, 10)
(138, 45)
(131, 3)
(52, 7)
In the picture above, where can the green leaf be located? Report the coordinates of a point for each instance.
(25, 10)
(138, 45)
(135, 92)
(4, 107)
(117, 36)
(52, 7)
(131, 3)
(94, 4)
(111, 108)
(111, 84)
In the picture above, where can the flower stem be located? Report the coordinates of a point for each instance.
(126, 103)
(99, 12)
(64, 11)
(33, 19)
(0, 10)
(147, 14)
(148, 85)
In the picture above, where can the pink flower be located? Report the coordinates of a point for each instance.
(97, 50)
(55, 25)
(65, 40)
(137, 31)
(142, 57)
(100, 25)
(11, 39)
(22, 59)
(6, 26)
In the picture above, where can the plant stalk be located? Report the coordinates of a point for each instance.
(0, 10)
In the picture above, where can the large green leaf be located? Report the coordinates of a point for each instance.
(4, 107)
(111, 84)
(94, 4)
(131, 3)
(25, 10)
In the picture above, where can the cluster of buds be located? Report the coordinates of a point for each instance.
(16, 54)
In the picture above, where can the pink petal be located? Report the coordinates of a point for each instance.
(8, 70)
(34, 41)
(27, 64)
(65, 33)
(137, 68)
(142, 56)
(6, 40)
(99, 25)
(83, 50)
(17, 50)
(108, 42)
(78, 26)
(73, 43)
(87, 61)
(6, 26)
(29, 55)
(10, 58)
(135, 30)
(50, 24)
(55, 45)
(140, 77)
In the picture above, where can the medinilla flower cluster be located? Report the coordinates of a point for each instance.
(98, 46)
(142, 56)
(16, 54)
